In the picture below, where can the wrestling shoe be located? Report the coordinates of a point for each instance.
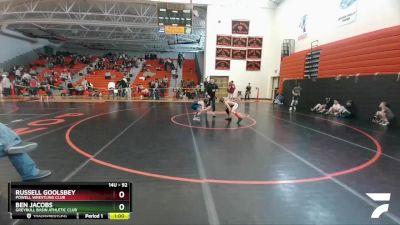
(22, 147)
(41, 174)
(239, 120)
(228, 119)
(196, 118)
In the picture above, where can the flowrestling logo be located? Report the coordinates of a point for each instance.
(344, 4)
(346, 11)
(379, 197)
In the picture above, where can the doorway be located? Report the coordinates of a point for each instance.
(275, 86)
(222, 82)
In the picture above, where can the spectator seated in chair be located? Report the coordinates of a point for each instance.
(79, 90)
(33, 87)
(145, 92)
(107, 75)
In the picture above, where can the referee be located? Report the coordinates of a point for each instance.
(211, 89)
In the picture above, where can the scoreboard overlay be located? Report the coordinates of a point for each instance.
(174, 20)
(70, 200)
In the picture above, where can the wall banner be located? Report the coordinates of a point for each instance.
(347, 11)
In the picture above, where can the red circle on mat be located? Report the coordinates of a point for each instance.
(46, 122)
(252, 123)
(219, 181)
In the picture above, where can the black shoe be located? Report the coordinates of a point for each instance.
(214, 115)
(22, 147)
(239, 120)
(228, 119)
(41, 174)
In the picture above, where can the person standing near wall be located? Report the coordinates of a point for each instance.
(180, 59)
(111, 88)
(202, 89)
(211, 89)
(248, 92)
(33, 87)
(18, 73)
(6, 85)
(1, 88)
(84, 83)
(70, 87)
(295, 97)
(231, 89)
(205, 85)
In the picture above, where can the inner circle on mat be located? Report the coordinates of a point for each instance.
(208, 123)
(323, 177)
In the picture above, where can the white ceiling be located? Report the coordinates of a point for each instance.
(107, 25)
(257, 3)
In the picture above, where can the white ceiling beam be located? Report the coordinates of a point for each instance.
(78, 22)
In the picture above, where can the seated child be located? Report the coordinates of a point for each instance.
(347, 110)
(323, 107)
(334, 109)
(279, 99)
(384, 115)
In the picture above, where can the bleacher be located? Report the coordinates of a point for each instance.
(189, 72)
(57, 71)
(98, 80)
(152, 65)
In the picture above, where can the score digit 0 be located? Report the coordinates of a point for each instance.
(121, 194)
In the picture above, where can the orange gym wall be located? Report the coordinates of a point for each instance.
(365, 54)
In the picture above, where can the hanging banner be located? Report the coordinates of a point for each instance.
(222, 64)
(254, 53)
(223, 53)
(347, 11)
(224, 40)
(255, 42)
(253, 65)
(239, 42)
(239, 54)
(240, 26)
(303, 27)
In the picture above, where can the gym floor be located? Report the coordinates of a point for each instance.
(275, 168)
